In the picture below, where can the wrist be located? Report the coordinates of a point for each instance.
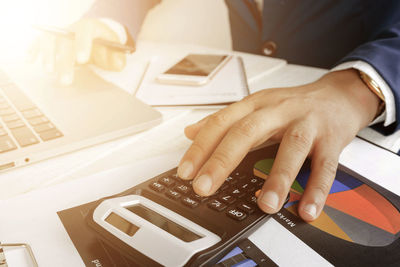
(349, 83)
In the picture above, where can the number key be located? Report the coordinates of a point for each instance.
(183, 189)
(216, 205)
(248, 208)
(228, 199)
(167, 181)
(191, 203)
(173, 194)
(157, 187)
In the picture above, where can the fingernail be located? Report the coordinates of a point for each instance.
(311, 209)
(271, 199)
(66, 79)
(81, 58)
(185, 169)
(203, 184)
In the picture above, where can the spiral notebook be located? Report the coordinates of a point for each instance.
(227, 86)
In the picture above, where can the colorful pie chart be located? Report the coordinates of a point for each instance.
(354, 211)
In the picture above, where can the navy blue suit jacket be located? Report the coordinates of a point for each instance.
(320, 33)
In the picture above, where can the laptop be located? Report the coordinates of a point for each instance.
(40, 119)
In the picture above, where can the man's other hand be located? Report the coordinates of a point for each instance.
(59, 54)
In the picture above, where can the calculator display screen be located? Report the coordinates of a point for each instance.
(164, 223)
(121, 224)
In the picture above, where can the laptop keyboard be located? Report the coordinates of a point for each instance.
(22, 123)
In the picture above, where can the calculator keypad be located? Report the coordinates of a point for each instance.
(235, 197)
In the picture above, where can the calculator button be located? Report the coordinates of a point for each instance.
(248, 208)
(245, 186)
(256, 181)
(228, 199)
(230, 180)
(238, 175)
(167, 181)
(191, 203)
(216, 205)
(199, 198)
(183, 189)
(187, 182)
(157, 187)
(173, 194)
(252, 199)
(236, 214)
(236, 192)
(224, 187)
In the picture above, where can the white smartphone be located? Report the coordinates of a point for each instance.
(194, 69)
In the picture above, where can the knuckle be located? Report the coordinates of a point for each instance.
(285, 176)
(323, 187)
(246, 127)
(221, 159)
(219, 119)
(300, 138)
(197, 149)
(329, 168)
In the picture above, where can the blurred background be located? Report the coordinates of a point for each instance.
(202, 22)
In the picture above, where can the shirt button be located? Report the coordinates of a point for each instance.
(269, 48)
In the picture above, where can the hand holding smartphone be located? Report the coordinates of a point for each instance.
(194, 69)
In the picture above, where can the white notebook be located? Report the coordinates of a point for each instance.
(228, 85)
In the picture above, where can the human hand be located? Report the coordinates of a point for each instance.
(60, 54)
(316, 120)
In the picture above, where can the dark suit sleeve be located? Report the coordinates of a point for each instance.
(129, 13)
(383, 53)
(245, 28)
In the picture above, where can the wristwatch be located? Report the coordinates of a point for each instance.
(374, 87)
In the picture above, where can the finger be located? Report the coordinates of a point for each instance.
(191, 131)
(209, 137)
(100, 56)
(323, 171)
(295, 146)
(83, 43)
(234, 147)
(117, 61)
(66, 62)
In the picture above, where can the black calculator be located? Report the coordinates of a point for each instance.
(163, 222)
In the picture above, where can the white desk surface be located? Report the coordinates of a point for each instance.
(164, 144)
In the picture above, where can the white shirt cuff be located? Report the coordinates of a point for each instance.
(389, 115)
(117, 28)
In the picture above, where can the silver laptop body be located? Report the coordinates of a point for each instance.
(39, 118)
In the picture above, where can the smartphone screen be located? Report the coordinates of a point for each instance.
(197, 65)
